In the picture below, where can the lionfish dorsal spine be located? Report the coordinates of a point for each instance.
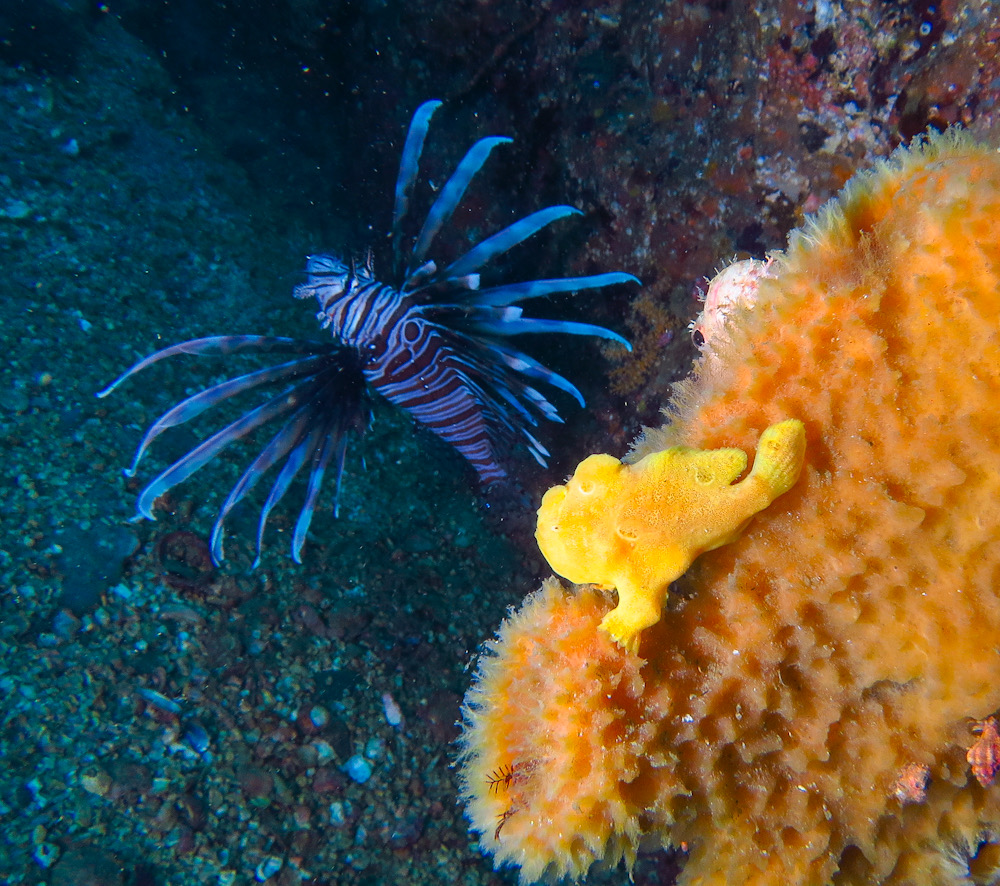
(451, 196)
(409, 163)
(507, 239)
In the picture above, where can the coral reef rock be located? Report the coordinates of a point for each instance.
(806, 709)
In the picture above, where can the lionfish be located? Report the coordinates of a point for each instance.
(433, 342)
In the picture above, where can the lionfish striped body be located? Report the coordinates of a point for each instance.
(405, 359)
(431, 344)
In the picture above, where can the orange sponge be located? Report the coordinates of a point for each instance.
(814, 705)
(554, 738)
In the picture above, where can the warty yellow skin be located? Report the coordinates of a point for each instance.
(636, 528)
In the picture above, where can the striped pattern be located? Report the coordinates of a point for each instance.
(409, 360)
(433, 343)
(414, 367)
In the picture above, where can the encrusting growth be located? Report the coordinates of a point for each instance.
(636, 528)
(819, 701)
(559, 705)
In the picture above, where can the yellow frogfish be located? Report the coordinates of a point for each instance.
(636, 528)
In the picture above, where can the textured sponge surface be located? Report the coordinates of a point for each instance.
(860, 622)
(849, 636)
(556, 737)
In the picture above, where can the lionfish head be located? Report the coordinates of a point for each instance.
(328, 278)
(335, 284)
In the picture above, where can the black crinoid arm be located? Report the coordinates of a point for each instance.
(432, 342)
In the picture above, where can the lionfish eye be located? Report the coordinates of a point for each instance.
(411, 332)
(698, 338)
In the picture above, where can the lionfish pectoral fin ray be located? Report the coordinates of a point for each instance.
(184, 467)
(544, 407)
(424, 274)
(504, 384)
(507, 239)
(341, 461)
(214, 344)
(514, 325)
(541, 403)
(289, 469)
(538, 452)
(196, 404)
(530, 367)
(500, 296)
(504, 392)
(451, 195)
(331, 441)
(408, 165)
(279, 446)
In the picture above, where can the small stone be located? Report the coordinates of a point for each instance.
(323, 750)
(375, 748)
(196, 736)
(86, 865)
(65, 624)
(358, 768)
(406, 830)
(256, 784)
(312, 719)
(267, 868)
(46, 855)
(96, 781)
(393, 715)
(327, 781)
(17, 210)
(338, 813)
